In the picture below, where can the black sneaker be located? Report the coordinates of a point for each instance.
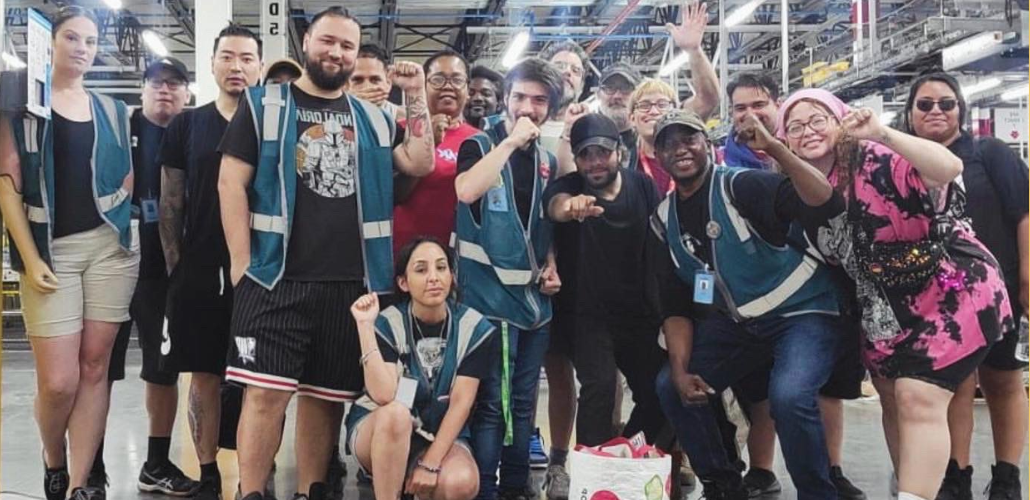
(55, 482)
(713, 490)
(166, 479)
(957, 484)
(335, 476)
(87, 493)
(254, 496)
(1004, 483)
(522, 494)
(845, 489)
(759, 482)
(98, 479)
(209, 490)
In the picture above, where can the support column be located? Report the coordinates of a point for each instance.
(724, 59)
(785, 47)
(274, 28)
(211, 17)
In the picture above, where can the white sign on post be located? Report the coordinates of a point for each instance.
(38, 65)
(1011, 124)
(274, 28)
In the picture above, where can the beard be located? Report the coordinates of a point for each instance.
(619, 115)
(568, 96)
(324, 79)
(603, 182)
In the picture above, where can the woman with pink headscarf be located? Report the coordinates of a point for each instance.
(932, 296)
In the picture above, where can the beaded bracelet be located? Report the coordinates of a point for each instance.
(432, 470)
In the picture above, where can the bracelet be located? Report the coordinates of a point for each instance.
(432, 470)
(364, 357)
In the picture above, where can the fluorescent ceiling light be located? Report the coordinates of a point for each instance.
(114, 4)
(675, 64)
(12, 61)
(155, 44)
(743, 12)
(980, 86)
(516, 47)
(1017, 92)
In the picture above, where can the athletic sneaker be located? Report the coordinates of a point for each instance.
(759, 482)
(55, 482)
(537, 456)
(98, 479)
(335, 476)
(714, 490)
(317, 491)
(957, 484)
(87, 493)
(166, 479)
(845, 489)
(556, 484)
(209, 490)
(1004, 483)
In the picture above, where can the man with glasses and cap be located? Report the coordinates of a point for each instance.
(164, 95)
(617, 83)
(721, 321)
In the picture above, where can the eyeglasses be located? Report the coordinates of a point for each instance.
(173, 83)
(616, 89)
(564, 66)
(646, 106)
(817, 124)
(926, 105)
(439, 81)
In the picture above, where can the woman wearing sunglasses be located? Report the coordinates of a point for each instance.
(995, 181)
(931, 295)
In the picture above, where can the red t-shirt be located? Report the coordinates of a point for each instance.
(429, 210)
(662, 180)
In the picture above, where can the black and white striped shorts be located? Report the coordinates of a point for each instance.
(299, 336)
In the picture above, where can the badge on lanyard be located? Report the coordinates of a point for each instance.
(496, 199)
(149, 206)
(704, 287)
(406, 388)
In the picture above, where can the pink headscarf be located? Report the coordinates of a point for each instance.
(832, 103)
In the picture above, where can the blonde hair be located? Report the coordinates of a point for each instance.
(652, 86)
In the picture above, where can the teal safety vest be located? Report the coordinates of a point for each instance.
(468, 331)
(752, 277)
(111, 164)
(499, 260)
(273, 190)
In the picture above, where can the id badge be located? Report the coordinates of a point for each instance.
(704, 288)
(496, 201)
(406, 388)
(149, 208)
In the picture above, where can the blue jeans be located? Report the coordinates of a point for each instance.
(526, 352)
(802, 350)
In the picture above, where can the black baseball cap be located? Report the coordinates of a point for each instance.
(594, 129)
(624, 70)
(171, 64)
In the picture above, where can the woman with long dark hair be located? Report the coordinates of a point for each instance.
(931, 295)
(423, 359)
(65, 192)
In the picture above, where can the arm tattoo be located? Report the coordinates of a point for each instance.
(418, 117)
(173, 187)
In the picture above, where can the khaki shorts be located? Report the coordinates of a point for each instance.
(96, 280)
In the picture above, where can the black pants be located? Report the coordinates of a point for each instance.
(602, 347)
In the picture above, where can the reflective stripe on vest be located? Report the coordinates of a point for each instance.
(35, 214)
(375, 115)
(782, 292)
(268, 223)
(510, 277)
(396, 320)
(31, 126)
(109, 202)
(381, 229)
(273, 103)
(739, 224)
(111, 110)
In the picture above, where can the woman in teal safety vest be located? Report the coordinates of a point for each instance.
(65, 193)
(423, 359)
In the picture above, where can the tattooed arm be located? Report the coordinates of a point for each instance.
(173, 198)
(415, 156)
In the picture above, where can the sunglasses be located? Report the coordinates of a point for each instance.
(926, 105)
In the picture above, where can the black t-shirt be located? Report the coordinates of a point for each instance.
(430, 348)
(325, 238)
(147, 138)
(522, 164)
(75, 210)
(767, 200)
(191, 145)
(601, 260)
(997, 188)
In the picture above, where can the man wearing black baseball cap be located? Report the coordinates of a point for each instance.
(738, 289)
(601, 212)
(165, 93)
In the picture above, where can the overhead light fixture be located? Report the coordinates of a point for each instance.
(980, 86)
(743, 12)
(154, 43)
(114, 4)
(12, 61)
(1015, 93)
(674, 64)
(516, 47)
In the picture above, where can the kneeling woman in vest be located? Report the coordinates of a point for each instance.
(65, 193)
(423, 359)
